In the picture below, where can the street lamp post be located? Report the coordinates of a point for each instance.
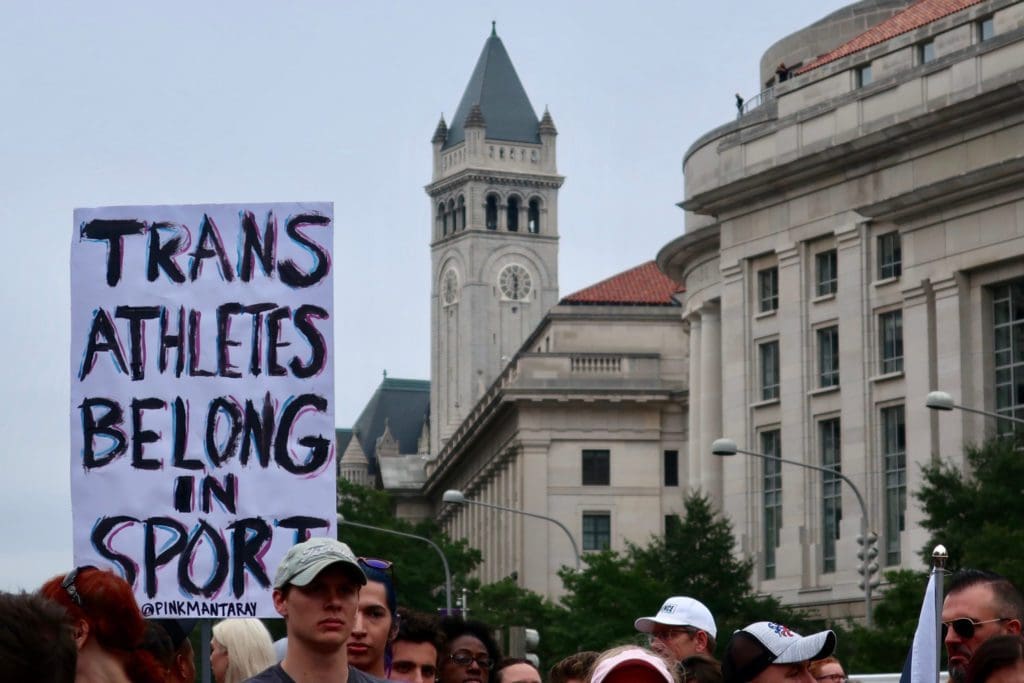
(440, 553)
(940, 400)
(456, 497)
(728, 447)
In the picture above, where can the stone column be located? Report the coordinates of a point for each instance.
(693, 442)
(710, 400)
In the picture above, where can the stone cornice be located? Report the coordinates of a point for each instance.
(444, 185)
(837, 159)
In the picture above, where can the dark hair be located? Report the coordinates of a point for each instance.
(995, 653)
(699, 669)
(417, 627)
(454, 627)
(1008, 597)
(575, 666)
(37, 641)
(382, 576)
(512, 661)
(107, 604)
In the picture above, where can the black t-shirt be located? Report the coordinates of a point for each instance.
(276, 674)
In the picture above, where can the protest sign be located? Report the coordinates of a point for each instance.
(202, 398)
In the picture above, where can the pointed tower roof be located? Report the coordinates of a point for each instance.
(495, 86)
(441, 132)
(354, 454)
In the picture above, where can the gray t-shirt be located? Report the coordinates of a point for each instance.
(276, 674)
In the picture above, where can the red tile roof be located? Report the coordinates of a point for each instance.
(917, 15)
(643, 285)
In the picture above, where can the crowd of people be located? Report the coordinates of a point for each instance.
(344, 625)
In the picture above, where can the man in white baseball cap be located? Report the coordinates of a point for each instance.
(766, 652)
(682, 628)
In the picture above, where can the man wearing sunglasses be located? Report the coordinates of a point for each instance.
(978, 605)
(682, 628)
(316, 590)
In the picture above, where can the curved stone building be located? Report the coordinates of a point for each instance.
(852, 244)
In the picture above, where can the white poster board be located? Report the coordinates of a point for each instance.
(202, 398)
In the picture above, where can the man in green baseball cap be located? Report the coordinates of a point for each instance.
(316, 590)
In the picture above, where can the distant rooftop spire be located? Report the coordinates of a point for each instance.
(475, 118)
(496, 89)
(547, 124)
(441, 132)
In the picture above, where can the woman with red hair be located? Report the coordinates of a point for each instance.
(107, 625)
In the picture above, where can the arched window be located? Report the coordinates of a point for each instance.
(533, 217)
(442, 220)
(513, 214)
(462, 211)
(492, 212)
(451, 214)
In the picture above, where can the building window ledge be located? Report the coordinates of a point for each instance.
(885, 281)
(765, 404)
(823, 390)
(822, 298)
(887, 377)
(765, 314)
(817, 589)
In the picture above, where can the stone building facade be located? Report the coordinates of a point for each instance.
(852, 244)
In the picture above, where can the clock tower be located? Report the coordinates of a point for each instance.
(494, 236)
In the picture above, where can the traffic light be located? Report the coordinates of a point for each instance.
(531, 639)
(868, 566)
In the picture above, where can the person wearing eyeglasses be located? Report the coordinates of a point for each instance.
(828, 670)
(415, 649)
(470, 652)
(108, 627)
(684, 631)
(978, 605)
(376, 624)
(316, 590)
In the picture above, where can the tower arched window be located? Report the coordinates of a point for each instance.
(533, 217)
(451, 215)
(442, 220)
(462, 211)
(492, 212)
(513, 214)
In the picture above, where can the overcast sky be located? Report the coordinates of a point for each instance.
(114, 103)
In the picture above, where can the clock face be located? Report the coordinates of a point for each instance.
(450, 287)
(515, 282)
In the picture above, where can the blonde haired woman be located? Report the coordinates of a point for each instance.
(240, 649)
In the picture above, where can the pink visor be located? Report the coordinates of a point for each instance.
(634, 655)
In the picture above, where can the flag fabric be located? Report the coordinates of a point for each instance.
(922, 664)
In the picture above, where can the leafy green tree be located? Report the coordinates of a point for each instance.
(695, 558)
(417, 569)
(976, 512)
(884, 647)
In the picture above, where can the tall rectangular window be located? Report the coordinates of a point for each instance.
(768, 289)
(890, 255)
(894, 463)
(890, 341)
(597, 530)
(671, 468)
(926, 52)
(772, 501)
(986, 28)
(828, 356)
(1008, 342)
(596, 468)
(769, 352)
(831, 493)
(863, 75)
(826, 275)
